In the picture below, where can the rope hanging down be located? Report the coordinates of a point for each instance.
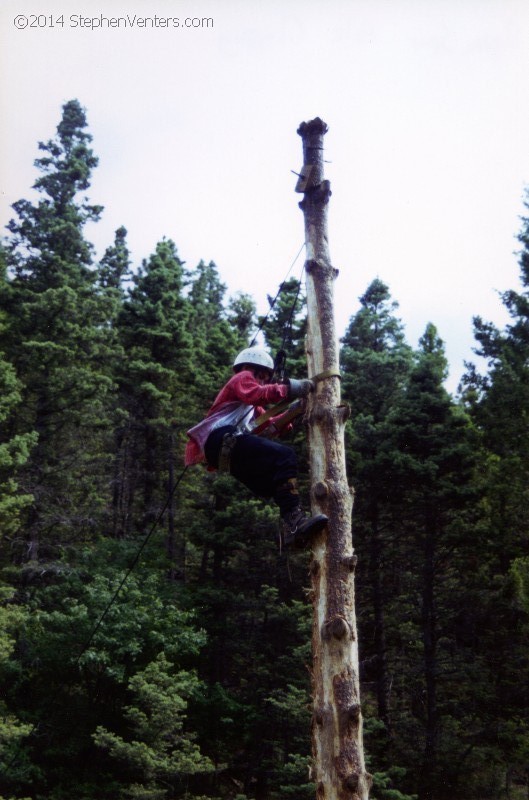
(131, 567)
(290, 320)
(272, 304)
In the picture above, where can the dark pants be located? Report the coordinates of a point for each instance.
(263, 465)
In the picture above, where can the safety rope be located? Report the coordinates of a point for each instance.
(272, 304)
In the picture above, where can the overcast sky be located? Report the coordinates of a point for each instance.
(195, 128)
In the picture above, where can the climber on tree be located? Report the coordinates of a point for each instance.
(226, 441)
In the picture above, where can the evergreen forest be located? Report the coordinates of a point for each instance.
(154, 640)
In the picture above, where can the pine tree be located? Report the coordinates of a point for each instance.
(114, 267)
(68, 678)
(498, 402)
(376, 362)
(14, 448)
(161, 754)
(501, 400)
(215, 340)
(154, 384)
(241, 315)
(57, 342)
(14, 452)
(12, 729)
(375, 356)
(435, 476)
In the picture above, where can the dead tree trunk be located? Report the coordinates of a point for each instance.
(339, 768)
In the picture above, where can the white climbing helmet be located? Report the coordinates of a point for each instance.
(255, 355)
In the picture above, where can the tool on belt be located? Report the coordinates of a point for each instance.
(228, 443)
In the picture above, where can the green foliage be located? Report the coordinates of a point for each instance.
(520, 573)
(376, 363)
(14, 453)
(160, 751)
(114, 267)
(12, 730)
(14, 448)
(67, 667)
(382, 788)
(57, 343)
(215, 335)
(241, 315)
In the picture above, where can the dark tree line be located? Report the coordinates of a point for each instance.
(180, 669)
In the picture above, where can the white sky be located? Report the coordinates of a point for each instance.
(195, 129)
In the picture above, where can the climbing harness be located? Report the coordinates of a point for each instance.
(288, 411)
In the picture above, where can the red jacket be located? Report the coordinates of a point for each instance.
(238, 402)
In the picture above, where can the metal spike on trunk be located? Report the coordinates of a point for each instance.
(339, 767)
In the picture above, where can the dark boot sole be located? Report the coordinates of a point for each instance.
(310, 528)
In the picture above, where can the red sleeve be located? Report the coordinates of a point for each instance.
(244, 387)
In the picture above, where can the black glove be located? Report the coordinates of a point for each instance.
(300, 388)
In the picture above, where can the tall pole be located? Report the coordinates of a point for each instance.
(338, 755)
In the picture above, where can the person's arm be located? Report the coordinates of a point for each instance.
(244, 387)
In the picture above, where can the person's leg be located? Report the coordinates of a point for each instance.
(269, 469)
(262, 464)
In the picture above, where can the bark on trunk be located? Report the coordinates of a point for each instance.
(339, 768)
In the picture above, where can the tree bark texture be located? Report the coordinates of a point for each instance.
(339, 767)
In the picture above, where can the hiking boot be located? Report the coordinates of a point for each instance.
(298, 528)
